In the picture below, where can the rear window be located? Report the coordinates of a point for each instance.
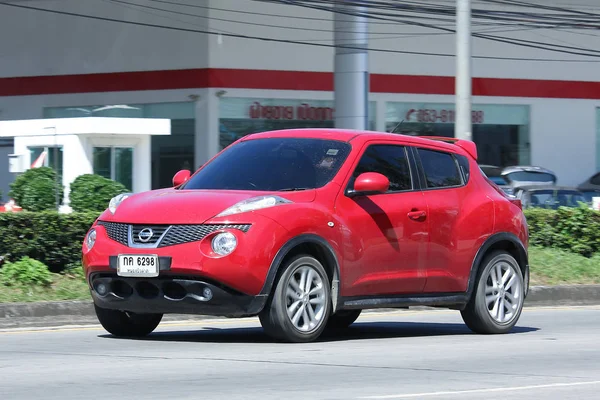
(529, 176)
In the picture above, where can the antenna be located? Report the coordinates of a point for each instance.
(396, 127)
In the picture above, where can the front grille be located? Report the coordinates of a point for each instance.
(179, 234)
(163, 235)
(117, 232)
(153, 232)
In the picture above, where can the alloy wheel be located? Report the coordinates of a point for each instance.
(305, 299)
(503, 292)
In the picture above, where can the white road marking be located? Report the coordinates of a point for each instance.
(490, 390)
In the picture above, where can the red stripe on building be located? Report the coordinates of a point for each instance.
(287, 80)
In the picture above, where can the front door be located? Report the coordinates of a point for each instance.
(384, 236)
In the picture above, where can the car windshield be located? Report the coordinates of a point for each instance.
(528, 176)
(273, 164)
(590, 194)
(556, 198)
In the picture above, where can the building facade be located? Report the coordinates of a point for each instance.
(154, 59)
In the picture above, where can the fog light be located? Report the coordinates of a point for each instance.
(90, 239)
(208, 294)
(224, 243)
(101, 289)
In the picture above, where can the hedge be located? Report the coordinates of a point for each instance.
(574, 229)
(37, 189)
(93, 192)
(55, 239)
(50, 237)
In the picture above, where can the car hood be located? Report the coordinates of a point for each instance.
(171, 206)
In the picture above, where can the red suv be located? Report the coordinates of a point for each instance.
(305, 228)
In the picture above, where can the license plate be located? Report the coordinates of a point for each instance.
(142, 265)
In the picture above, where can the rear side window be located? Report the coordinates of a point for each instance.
(463, 163)
(388, 160)
(440, 168)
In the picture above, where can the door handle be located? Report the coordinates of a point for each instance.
(417, 215)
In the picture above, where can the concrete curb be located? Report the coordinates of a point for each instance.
(14, 315)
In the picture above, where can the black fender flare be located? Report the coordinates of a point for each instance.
(328, 252)
(491, 241)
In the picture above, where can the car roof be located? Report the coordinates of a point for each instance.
(533, 188)
(348, 135)
(526, 168)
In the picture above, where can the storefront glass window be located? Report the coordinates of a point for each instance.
(598, 139)
(242, 116)
(169, 153)
(501, 132)
(114, 163)
(47, 157)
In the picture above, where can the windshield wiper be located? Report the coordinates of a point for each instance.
(293, 189)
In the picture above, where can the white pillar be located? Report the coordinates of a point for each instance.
(351, 78)
(463, 122)
(206, 143)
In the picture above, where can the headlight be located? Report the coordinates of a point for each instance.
(90, 239)
(224, 243)
(255, 203)
(115, 201)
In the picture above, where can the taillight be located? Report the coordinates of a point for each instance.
(516, 202)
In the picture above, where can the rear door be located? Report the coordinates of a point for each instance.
(460, 217)
(384, 235)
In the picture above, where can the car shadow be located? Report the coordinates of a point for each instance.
(358, 331)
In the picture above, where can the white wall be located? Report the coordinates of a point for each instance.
(78, 155)
(49, 44)
(302, 24)
(75, 161)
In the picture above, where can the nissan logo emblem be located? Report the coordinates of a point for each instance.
(145, 235)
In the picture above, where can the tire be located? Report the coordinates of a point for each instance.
(343, 319)
(123, 324)
(300, 326)
(490, 316)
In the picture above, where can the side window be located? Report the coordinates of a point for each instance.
(440, 169)
(463, 163)
(388, 160)
(595, 180)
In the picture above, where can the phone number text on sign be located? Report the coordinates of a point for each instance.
(433, 116)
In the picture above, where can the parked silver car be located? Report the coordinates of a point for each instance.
(519, 175)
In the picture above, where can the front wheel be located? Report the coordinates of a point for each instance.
(299, 307)
(125, 324)
(498, 297)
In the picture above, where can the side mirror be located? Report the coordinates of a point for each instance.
(181, 177)
(370, 183)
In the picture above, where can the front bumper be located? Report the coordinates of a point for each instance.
(171, 294)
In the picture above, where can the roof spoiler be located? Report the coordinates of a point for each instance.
(467, 145)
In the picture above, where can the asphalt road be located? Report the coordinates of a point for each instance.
(552, 354)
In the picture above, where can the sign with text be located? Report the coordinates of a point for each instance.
(304, 111)
(444, 113)
(280, 109)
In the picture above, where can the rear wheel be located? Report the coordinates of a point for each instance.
(300, 305)
(498, 297)
(343, 319)
(126, 324)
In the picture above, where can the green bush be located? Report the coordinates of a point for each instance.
(50, 237)
(574, 229)
(37, 189)
(26, 271)
(93, 192)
